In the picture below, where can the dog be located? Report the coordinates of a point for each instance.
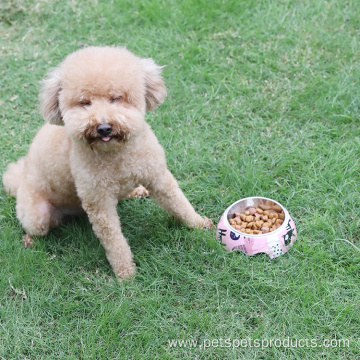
(95, 149)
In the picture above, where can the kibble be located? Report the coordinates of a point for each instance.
(258, 220)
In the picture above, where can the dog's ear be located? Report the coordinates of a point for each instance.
(155, 86)
(49, 97)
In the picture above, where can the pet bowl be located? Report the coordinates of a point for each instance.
(274, 243)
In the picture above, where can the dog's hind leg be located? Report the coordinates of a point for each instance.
(12, 176)
(36, 215)
(139, 192)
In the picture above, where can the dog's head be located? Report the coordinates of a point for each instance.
(101, 94)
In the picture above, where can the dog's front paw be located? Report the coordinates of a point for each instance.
(28, 241)
(126, 271)
(200, 222)
(208, 224)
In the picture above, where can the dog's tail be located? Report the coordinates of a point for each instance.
(12, 176)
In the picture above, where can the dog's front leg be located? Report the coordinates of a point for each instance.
(106, 225)
(166, 192)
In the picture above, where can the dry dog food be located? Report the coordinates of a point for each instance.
(258, 220)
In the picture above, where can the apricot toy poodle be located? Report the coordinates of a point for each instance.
(95, 149)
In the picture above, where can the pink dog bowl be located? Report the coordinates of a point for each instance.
(274, 243)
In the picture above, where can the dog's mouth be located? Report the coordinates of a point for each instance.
(120, 137)
(118, 134)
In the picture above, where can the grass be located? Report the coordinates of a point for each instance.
(263, 99)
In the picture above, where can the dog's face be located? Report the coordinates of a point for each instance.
(100, 95)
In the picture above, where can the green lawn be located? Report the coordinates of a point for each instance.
(263, 99)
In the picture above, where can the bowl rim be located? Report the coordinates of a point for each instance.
(283, 225)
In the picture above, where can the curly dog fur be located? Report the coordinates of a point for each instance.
(95, 149)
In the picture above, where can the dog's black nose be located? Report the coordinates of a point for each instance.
(104, 129)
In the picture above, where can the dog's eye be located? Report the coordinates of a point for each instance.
(85, 102)
(115, 99)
